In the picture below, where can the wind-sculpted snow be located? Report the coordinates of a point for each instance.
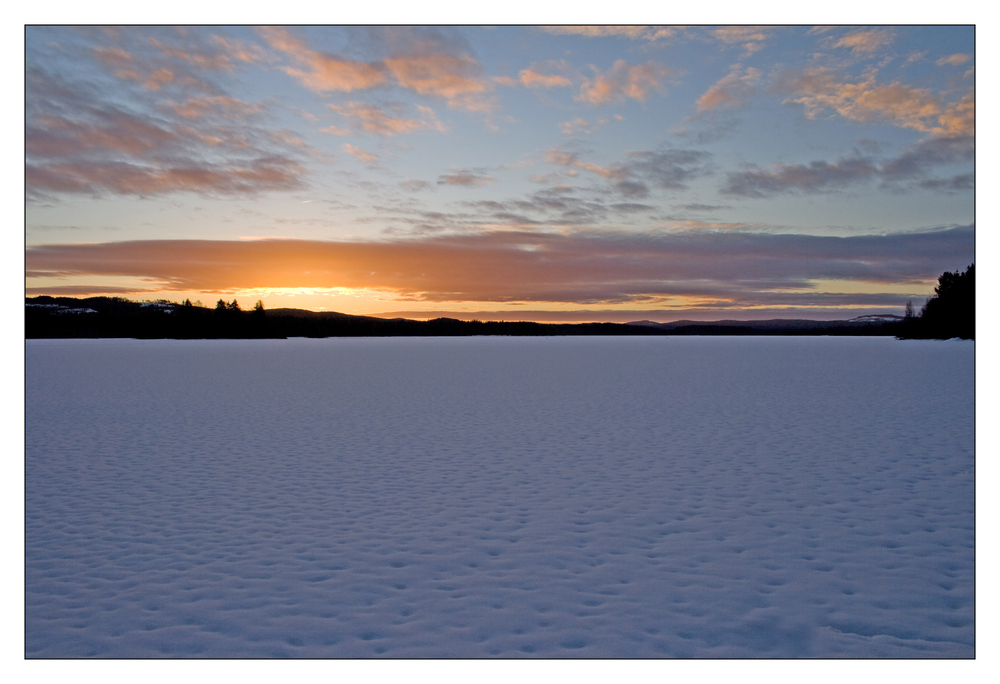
(480, 497)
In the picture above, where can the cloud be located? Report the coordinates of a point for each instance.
(575, 126)
(732, 90)
(510, 265)
(372, 119)
(534, 79)
(456, 78)
(325, 72)
(911, 168)
(866, 41)
(648, 33)
(623, 81)
(240, 50)
(961, 183)
(125, 178)
(817, 176)
(752, 38)
(701, 207)
(78, 141)
(466, 178)
(953, 60)
(158, 58)
(422, 61)
(819, 89)
(669, 169)
(414, 185)
(217, 105)
(360, 154)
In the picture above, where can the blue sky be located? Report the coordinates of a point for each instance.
(568, 173)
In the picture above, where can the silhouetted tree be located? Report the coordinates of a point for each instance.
(233, 306)
(220, 305)
(951, 312)
(259, 306)
(908, 311)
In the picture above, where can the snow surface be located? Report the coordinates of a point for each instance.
(480, 497)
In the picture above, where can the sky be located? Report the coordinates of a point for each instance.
(521, 172)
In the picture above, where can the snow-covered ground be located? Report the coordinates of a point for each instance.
(580, 497)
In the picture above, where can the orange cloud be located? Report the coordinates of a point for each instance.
(866, 42)
(731, 90)
(360, 154)
(200, 59)
(326, 72)
(244, 52)
(896, 103)
(649, 33)
(624, 81)
(372, 119)
(752, 37)
(425, 67)
(578, 125)
(456, 78)
(953, 60)
(533, 79)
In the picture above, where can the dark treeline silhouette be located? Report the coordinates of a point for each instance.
(950, 313)
(65, 317)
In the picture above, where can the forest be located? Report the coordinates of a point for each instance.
(949, 313)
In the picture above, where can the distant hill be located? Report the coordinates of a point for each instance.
(880, 324)
(98, 317)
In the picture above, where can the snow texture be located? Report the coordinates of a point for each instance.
(500, 497)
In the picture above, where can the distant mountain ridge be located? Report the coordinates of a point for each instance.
(773, 324)
(116, 317)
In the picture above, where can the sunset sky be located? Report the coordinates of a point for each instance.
(520, 173)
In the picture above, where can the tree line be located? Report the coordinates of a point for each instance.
(949, 313)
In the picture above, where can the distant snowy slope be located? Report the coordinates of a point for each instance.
(500, 497)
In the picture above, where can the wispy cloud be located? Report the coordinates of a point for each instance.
(360, 154)
(164, 124)
(751, 38)
(954, 60)
(368, 118)
(456, 78)
(551, 74)
(624, 80)
(669, 169)
(214, 105)
(819, 89)
(323, 72)
(581, 125)
(77, 142)
(866, 41)
(421, 61)
(647, 33)
(911, 168)
(817, 176)
(466, 178)
(731, 91)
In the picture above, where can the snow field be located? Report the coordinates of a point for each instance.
(500, 497)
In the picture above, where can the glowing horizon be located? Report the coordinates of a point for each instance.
(568, 173)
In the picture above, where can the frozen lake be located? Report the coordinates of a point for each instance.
(500, 497)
